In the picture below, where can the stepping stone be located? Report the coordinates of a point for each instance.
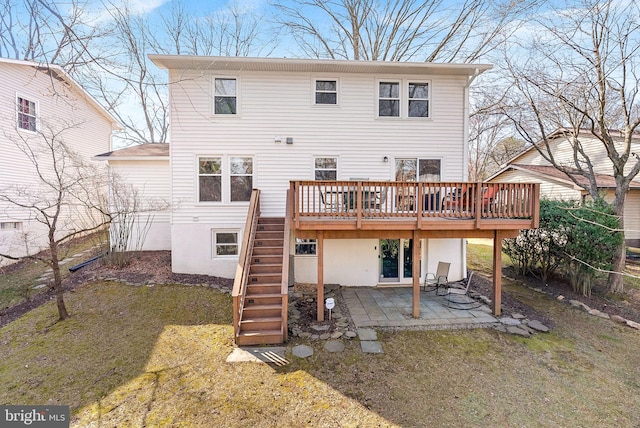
(336, 334)
(320, 327)
(302, 351)
(351, 334)
(305, 335)
(367, 334)
(517, 316)
(509, 321)
(334, 346)
(579, 304)
(537, 325)
(599, 313)
(371, 347)
(325, 336)
(518, 331)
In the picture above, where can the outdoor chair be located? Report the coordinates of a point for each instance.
(458, 295)
(435, 281)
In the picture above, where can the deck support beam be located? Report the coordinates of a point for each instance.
(497, 273)
(415, 271)
(320, 254)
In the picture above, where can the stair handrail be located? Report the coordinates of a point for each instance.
(244, 261)
(284, 289)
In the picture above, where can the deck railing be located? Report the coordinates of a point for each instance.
(242, 270)
(415, 200)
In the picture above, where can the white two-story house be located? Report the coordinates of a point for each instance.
(37, 103)
(322, 171)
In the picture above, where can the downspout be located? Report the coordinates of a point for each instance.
(465, 156)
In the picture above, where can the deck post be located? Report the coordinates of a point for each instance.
(497, 273)
(415, 271)
(320, 254)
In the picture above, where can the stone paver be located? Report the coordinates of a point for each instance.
(371, 347)
(367, 334)
(302, 351)
(334, 346)
(393, 307)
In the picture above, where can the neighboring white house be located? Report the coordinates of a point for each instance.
(243, 123)
(530, 166)
(38, 100)
(146, 169)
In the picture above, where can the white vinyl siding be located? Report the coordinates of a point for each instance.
(88, 132)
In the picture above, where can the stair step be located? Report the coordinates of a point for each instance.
(265, 311)
(266, 259)
(260, 324)
(266, 288)
(261, 268)
(269, 234)
(265, 337)
(265, 278)
(270, 227)
(268, 242)
(268, 251)
(262, 299)
(270, 220)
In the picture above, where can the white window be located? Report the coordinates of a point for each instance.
(225, 243)
(210, 179)
(225, 97)
(26, 114)
(225, 179)
(326, 92)
(406, 98)
(418, 99)
(241, 178)
(389, 99)
(325, 168)
(305, 247)
(10, 225)
(412, 169)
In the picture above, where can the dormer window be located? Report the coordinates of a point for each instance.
(225, 96)
(26, 114)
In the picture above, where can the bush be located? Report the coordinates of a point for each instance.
(577, 240)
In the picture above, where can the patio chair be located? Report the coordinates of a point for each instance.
(458, 294)
(435, 281)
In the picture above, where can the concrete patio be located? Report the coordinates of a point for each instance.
(391, 307)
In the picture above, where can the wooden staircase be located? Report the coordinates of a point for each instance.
(262, 320)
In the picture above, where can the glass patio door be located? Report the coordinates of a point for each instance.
(396, 259)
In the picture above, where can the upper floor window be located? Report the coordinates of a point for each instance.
(225, 179)
(327, 92)
(325, 168)
(26, 114)
(418, 99)
(389, 99)
(413, 169)
(225, 96)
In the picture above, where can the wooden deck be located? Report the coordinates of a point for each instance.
(412, 210)
(453, 209)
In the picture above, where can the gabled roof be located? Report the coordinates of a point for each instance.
(603, 181)
(150, 151)
(57, 72)
(562, 132)
(225, 63)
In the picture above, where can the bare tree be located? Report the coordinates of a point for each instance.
(400, 30)
(581, 74)
(67, 199)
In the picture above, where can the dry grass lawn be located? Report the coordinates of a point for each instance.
(155, 357)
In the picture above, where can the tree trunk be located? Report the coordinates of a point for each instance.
(618, 263)
(57, 283)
